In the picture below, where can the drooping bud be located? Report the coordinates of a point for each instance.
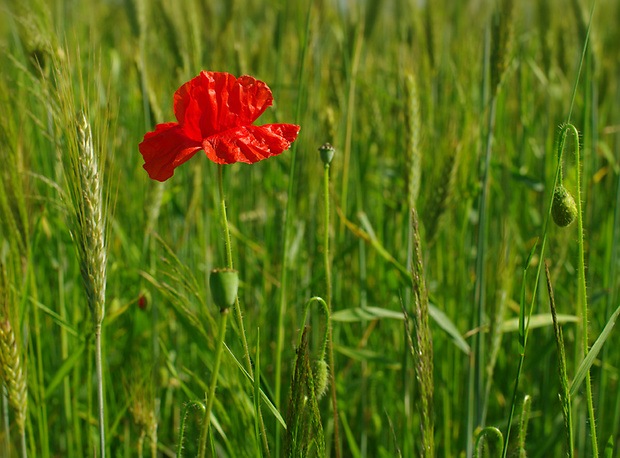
(224, 284)
(563, 208)
(327, 152)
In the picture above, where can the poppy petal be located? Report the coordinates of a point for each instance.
(165, 149)
(250, 144)
(214, 102)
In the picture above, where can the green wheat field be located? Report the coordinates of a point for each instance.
(446, 287)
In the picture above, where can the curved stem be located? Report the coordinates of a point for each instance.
(583, 297)
(484, 433)
(183, 419)
(237, 308)
(206, 420)
(327, 324)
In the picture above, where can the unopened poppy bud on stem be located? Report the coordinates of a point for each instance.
(320, 373)
(327, 153)
(224, 284)
(564, 208)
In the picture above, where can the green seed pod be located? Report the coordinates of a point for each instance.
(224, 284)
(564, 208)
(327, 153)
(320, 373)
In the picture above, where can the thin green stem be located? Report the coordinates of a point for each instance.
(328, 285)
(583, 294)
(22, 440)
(583, 56)
(237, 308)
(99, 388)
(206, 420)
(40, 390)
(220, 180)
(480, 272)
(183, 420)
(328, 321)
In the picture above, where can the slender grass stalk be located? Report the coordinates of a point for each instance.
(359, 41)
(475, 376)
(603, 391)
(39, 387)
(100, 403)
(140, 446)
(288, 222)
(565, 398)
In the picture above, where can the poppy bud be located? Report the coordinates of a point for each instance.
(224, 284)
(327, 153)
(564, 208)
(320, 373)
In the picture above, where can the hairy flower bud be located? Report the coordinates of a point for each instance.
(564, 208)
(320, 373)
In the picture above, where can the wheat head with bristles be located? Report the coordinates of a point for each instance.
(422, 344)
(90, 222)
(12, 374)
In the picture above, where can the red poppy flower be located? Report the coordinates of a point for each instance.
(215, 113)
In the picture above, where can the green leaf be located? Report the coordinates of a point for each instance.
(357, 314)
(609, 448)
(367, 355)
(266, 400)
(449, 327)
(522, 330)
(60, 321)
(351, 440)
(64, 370)
(585, 365)
(537, 321)
(367, 313)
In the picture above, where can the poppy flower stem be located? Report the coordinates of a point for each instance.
(206, 421)
(220, 180)
(237, 308)
(328, 284)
